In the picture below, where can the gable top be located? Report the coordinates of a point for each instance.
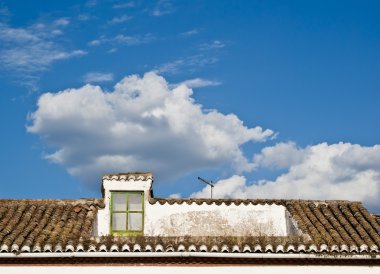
(125, 181)
(130, 176)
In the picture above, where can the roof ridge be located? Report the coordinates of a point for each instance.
(128, 176)
(259, 200)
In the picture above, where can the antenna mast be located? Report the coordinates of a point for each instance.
(207, 182)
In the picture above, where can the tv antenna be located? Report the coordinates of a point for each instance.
(211, 183)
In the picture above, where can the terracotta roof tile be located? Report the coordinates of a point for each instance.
(336, 222)
(130, 176)
(35, 223)
(66, 225)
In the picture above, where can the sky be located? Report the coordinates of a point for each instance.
(267, 99)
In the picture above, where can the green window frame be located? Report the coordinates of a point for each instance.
(127, 213)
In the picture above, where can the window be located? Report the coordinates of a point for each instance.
(127, 213)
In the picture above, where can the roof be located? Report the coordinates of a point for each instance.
(129, 176)
(328, 227)
(33, 225)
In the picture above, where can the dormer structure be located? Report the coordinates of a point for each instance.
(125, 196)
(130, 209)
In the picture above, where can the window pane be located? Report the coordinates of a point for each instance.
(119, 201)
(135, 221)
(135, 202)
(119, 221)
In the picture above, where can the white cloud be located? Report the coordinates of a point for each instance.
(83, 17)
(97, 77)
(95, 42)
(91, 3)
(134, 40)
(142, 125)
(33, 58)
(199, 83)
(233, 187)
(28, 51)
(121, 39)
(163, 7)
(130, 4)
(175, 195)
(120, 19)
(190, 63)
(62, 22)
(213, 45)
(282, 155)
(190, 33)
(322, 171)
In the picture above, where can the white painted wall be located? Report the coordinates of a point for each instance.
(102, 223)
(199, 220)
(215, 220)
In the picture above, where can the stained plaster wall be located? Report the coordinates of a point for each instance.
(199, 220)
(216, 220)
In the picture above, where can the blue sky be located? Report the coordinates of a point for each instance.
(269, 98)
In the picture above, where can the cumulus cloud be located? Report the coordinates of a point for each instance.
(97, 77)
(282, 155)
(322, 171)
(141, 125)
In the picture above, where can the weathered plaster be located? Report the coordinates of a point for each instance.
(216, 220)
(199, 220)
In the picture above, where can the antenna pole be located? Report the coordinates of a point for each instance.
(208, 183)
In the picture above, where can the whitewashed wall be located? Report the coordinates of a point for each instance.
(199, 220)
(216, 220)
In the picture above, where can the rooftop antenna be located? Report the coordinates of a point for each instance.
(211, 184)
